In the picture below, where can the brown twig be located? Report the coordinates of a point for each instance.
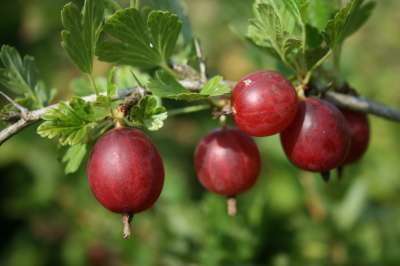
(20, 108)
(31, 117)
(363, 105)
(347, 101)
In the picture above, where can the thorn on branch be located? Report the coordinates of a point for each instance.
(202, 63)
(20, 108)
(185, 71)
(363, 105)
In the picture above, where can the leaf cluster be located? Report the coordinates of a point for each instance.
(20, 76)
(142, 43)
(302, 33)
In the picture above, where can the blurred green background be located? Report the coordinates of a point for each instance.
(289, 218)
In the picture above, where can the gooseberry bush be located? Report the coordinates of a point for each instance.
(106, 118)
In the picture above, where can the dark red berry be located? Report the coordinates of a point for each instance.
(125, 172)
(264, 103)
(359, 132)
(227, 162)
(318, 139)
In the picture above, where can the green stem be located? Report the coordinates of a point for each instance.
(93, 83)
(336, 66)
(114, 5)
(168, 70)
(315, 66)
(134, 4)
(138, 82)
(189, 109)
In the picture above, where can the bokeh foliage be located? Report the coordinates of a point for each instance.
(289, 218)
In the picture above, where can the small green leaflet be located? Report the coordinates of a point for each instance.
(82, 30)
(74, 157)
(137, 42)
(71, 122)
(346, 21)
(20, 76)
(166, 86)
(148, 113)
(215, 87)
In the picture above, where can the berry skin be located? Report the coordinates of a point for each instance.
(359, 132)
(125, 172)
(318, 139)
(227, 162)
(264, 103)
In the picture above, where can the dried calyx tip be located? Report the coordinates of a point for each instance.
(231, 205)
(326, 176)
(126, 221)
(340, 172)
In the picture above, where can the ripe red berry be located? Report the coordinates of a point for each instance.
(359, 133)
(227, 162)
(264, 103)
(125, 172)
(318, 138)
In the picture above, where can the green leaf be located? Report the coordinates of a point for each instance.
(279, 27)
(71, 122)
(166, 86)
(316, 46)
(74, 157)
(17, 74)
(359, 17)
(346, 21)
(176, 7)
(148, 113)
(319, 13)
(20, 76)
(215, 87)
(137, 42)
(82, 30)
(290, 31)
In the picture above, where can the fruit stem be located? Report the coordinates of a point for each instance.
(231, 206)
(118, 124)
(222, 120)
(126, 221)
(300, 91)
(119, 117)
